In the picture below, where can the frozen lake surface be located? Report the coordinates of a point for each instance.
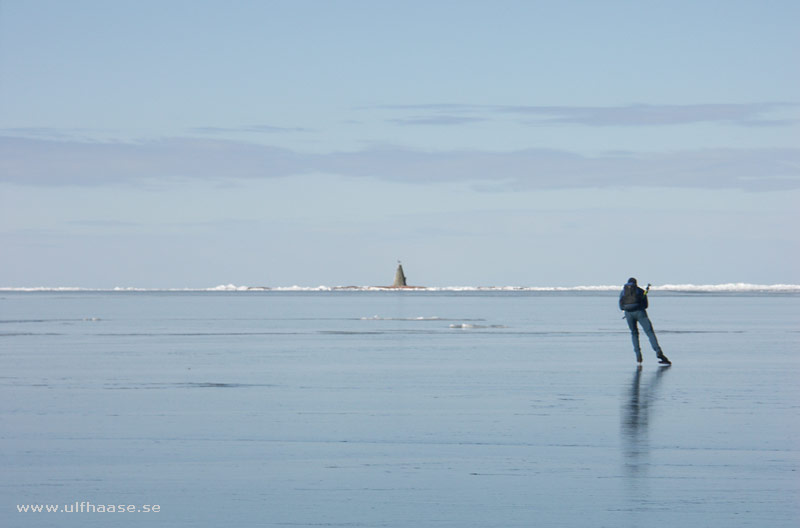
(398, 409)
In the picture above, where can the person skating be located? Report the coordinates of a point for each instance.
(633, 301)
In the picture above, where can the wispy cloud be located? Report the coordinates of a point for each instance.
(749, 114)
(49, 162)
(437, 120)
(103, 223)
(650, 115)
(79, 134)
(248, 129)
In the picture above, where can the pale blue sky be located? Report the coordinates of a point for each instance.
(196, 143)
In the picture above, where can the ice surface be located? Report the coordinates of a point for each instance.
(305, 409)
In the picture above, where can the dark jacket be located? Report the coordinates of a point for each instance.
(632, 298)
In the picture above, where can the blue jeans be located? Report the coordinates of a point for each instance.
(640, 316)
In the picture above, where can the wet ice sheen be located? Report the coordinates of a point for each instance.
(378, 409)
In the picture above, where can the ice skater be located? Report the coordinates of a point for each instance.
(633, 301)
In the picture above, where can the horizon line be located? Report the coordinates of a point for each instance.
(738, 287)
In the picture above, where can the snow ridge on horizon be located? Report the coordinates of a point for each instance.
(698, 288)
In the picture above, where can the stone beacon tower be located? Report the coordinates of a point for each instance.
(399, 276)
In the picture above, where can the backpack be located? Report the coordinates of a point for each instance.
(632, 297)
